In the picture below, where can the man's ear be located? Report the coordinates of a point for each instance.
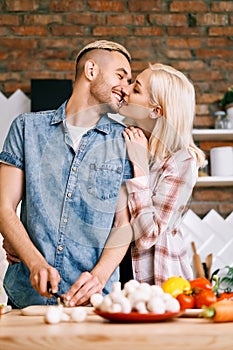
(91, 69)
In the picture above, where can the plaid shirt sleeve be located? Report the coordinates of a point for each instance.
(156, 204)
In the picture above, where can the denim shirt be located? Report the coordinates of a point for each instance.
(70, 198)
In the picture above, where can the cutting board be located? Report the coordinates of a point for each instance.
(40, 310)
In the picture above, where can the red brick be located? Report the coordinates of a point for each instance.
(221, 6)
(228, 65)
(208, 53)
(157, 31)
(188, 6)
(212, 19)
(201, 109)
(225, 209)
(50, 54)
(9, 20)
(184, 42)
(201, 209)
(190, 65)
(111, 31)
(13, 76)
(42, 19)
(177, 20)
(4, 31)
(221, 31)
(212, 194)
(206, 75)
(22, 5)
(116, 6)
(85, 18)
(11, 87)
(66, 30)
(60, 65)
(185, 31)
(218, 42)
(177, 54)
(66, 5)
(30, 30)
(204, 121)
(126, 19)
(146, 5)
(24, 64)
(20, 43)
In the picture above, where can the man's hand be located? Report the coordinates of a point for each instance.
(81, 291)
(11, 255)
(40, 275)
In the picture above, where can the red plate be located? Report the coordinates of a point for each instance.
(136, 316)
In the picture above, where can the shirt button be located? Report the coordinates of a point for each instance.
(69, 194)
(65, 220)
(74, 168)
(60, 248)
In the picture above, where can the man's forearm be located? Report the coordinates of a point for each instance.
(14, 232)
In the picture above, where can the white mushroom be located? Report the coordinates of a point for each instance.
(172, 305)
(141, 307)
(53, 314)
(96, 299)
(106, 303)
(116, 287)
(157, 291)
(126, 305)
(130, 286)
(167, 296)
(114, 308)
(79, 314)
(156, 305)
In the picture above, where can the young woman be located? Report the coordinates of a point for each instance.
(165, 161)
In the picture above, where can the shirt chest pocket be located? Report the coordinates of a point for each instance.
(104, 180)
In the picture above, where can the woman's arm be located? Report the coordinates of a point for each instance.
(159, 208)
(157, 194)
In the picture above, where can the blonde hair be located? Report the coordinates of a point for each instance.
(100, 45)
(171, 89)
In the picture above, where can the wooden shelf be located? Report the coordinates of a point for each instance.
(208, 181)
(213, 134)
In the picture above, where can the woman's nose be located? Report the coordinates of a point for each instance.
(127, 89)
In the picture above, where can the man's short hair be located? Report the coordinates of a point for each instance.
(103, 45)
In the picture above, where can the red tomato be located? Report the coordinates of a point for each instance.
(225, 295)
(201, 283)
(186, 301)
(204, 298)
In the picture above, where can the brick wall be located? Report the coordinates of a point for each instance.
(40, 39)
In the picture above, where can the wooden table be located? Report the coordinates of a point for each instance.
(31, 333)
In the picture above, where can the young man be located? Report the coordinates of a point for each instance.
(67, 166)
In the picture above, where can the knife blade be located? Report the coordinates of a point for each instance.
(58, 297)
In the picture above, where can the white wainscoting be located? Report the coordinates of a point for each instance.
(212, 234)
(10, 108)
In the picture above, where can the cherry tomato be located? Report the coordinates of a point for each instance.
(186, 301)
(201, 283)
(204, 297)
(225, 295)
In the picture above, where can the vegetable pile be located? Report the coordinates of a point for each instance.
(136, 297)
(202, 293)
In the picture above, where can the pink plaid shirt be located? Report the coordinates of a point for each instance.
(158, 250)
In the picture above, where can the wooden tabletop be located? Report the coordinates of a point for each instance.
(31, 333)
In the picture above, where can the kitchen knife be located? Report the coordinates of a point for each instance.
(58, 297)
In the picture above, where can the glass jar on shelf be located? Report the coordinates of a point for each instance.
(220, 117)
